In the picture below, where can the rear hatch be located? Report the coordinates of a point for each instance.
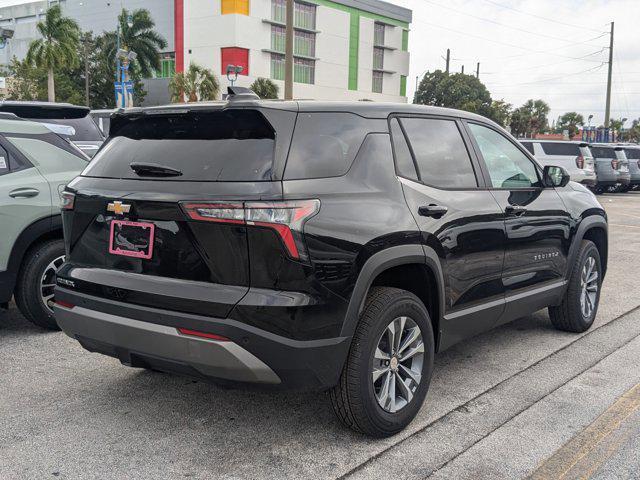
(157, 217)
(575, 154)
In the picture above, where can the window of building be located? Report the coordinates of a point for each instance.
(304, 43)
(440, 153)
(235, 6)
(403, 85)
(304, 15)
(167, 65)
(304, 71)
(378, 34)
(234, 56)
(278, 38)
(277, 66)
(378, 58)
(376, 86)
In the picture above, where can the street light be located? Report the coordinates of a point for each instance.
(232, 73)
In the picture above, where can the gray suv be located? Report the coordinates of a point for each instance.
(612, 167)
(632, 152)
(574, 157)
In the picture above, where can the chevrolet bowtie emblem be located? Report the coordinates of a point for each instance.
(118, 207)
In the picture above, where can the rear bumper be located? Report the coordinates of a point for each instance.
(145, 337)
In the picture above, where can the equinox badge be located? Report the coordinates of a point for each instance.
(118, 207)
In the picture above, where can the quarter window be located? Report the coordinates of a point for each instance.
(508, 167)
(404, 162)
(4, 161)
(440, 153)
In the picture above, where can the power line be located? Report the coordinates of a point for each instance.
(581, 27)
(555, 78)
(535, 67)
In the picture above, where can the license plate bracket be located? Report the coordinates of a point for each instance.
(131, 239)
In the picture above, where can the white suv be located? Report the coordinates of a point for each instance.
(574, 157)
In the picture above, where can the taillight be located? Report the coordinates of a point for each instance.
(67, 200)
(580, 162)
(614, 164)
(286, 218)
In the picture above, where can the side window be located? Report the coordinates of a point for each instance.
(404, 162)
(440, 153)
(508, 167)
(5, 167)
(325, 144)
(528, 146)
(46, 156)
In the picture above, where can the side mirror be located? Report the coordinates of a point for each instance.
(555, 176)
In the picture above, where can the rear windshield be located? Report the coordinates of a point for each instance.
(231, 145)
(603, 152)
(85, 128)
(572, 149)
(632, 153)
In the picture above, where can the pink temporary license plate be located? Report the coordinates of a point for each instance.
(131, 239)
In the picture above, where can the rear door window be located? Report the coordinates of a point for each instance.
(603, 152)
(570, 149)
(439, 152)
(325, 144)
(528, 146)
(632, 153)
(230, 145)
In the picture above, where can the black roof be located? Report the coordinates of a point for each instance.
(43, 109)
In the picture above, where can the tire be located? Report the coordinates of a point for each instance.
(29, 298)
(570, 315)
(354, 399)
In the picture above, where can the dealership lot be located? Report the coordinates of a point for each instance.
(499, 405)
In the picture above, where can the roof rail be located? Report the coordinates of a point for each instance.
(241, 93)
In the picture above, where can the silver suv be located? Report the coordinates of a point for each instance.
(612, 167)
(574, 157)
(632, 152)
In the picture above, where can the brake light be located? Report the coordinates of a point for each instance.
(580, 161)
(614, 164)
(286, 218)
(197, 333)
(67, 200)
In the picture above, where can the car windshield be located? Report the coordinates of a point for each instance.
(85, 128)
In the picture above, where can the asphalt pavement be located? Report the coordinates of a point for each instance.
(521, 400)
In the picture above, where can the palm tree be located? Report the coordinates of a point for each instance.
(57, 48)
(570, 121)
(264, 88)
(137, 34)
(197, 83)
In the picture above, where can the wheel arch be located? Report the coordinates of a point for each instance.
(410, 267)
(595, 229)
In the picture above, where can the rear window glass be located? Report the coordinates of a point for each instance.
(572, 149)
(603, 152)
(632, 153)
(85, 128)
(325, 144)
(528, 146)
(231, 145)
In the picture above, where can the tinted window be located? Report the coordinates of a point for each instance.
(234, 145)
(603, 152)
(4, 161)
(85, 128)
(404, 162)
(508, 167)
(48, 157)
(325, 144)
(440, 153)
(528, 146)
(571, 149)
(632, 153)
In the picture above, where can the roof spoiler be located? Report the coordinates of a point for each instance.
(241, 93)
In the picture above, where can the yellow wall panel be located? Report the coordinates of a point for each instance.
(235, 6)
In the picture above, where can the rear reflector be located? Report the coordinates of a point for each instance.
(63, 304)
(196, 333)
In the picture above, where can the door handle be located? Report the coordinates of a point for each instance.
(516, 210)
(24, 192)
(432, 210)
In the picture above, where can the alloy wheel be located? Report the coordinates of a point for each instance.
(397, 364)
(48, 282)
(589, 287)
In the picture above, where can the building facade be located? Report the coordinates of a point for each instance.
(343, 49)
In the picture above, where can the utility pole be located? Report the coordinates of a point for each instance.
(448, 59)
(607, 111)
(478, 70)
(288, 56)
(86, 69)
(462, 69)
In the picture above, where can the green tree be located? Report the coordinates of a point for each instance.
(530, 118)
(633, 134)
(137, 34)
(58, 47)
(264, 88)
(570, 121)
(464, 92)
(197, 84)
(501, 112)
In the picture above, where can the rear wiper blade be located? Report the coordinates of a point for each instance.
(154, 170)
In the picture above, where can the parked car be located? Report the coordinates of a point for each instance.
(278, 243)
(35, 165)
(85, 134)
(103, 119)
(632, 154)
(574, 157)
(612, 167)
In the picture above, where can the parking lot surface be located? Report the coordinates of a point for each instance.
(520, 400)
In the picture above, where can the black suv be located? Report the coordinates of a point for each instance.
(325, 245)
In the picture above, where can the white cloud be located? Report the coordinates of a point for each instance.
(517, 65)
